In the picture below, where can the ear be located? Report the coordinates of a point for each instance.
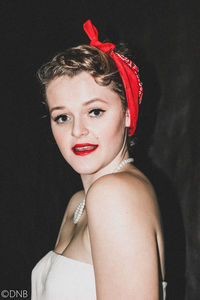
(127, 120)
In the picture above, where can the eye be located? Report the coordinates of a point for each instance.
(96, 112)
(61, 119)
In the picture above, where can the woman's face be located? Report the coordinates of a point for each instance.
(87, 121)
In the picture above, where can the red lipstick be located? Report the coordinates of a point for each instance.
(84, 149)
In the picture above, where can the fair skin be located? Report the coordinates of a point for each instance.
(119, 232)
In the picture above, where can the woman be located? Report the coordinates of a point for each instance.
(110, 244)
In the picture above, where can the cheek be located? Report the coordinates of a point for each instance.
(55, 133)
(112, 130)
(59, 137)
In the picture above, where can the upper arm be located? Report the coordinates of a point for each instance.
(121, 221)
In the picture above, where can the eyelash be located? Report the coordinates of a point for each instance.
(58, 118)
(99, 110)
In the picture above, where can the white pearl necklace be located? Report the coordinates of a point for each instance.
(122, 164)
(79, 210)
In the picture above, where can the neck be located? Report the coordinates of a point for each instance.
(89, 179)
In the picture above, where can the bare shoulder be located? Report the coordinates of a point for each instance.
(130, 189)
(123, 222)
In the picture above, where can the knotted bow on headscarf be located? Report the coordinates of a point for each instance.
(128, 72)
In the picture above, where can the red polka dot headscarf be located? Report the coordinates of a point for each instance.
(128, 72)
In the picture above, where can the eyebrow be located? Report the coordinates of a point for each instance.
(94, 100)
(84, 104)
(57, 108)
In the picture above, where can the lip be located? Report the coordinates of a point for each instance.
(84, 149)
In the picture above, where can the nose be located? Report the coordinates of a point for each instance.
(79, 128)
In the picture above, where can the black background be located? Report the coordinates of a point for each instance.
(37, 182)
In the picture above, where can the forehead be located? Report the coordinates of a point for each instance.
(81, 87)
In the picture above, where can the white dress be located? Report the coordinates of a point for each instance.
(56, 277)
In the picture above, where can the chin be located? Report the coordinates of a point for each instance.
(84, 169)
